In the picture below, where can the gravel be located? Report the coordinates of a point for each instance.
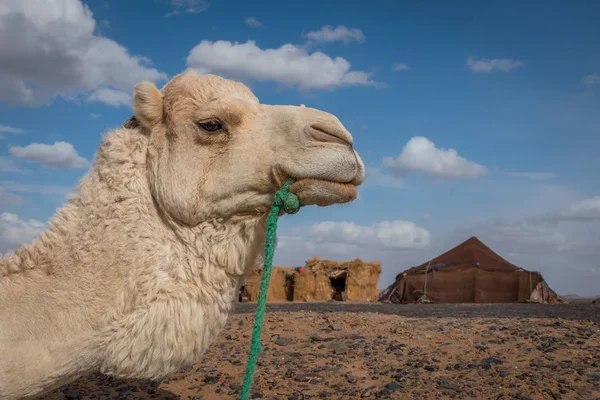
(329, 352)
(574, 311)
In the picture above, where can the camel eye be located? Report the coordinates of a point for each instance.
(211, 126)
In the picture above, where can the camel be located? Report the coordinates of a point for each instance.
(139, 271)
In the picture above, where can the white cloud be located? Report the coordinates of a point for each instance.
(421, 155)
(10, 129)
(534, 176)
(584, 210)
(188, 6)
(7, 165)
(94, 115)
(400, 67)
(253, 22)
(488, 65)
(591, 80)
(60, 155)
(15, 231)
(288, 64)
(110, 97)
(390, 235)
(53, 51)
(340, 33)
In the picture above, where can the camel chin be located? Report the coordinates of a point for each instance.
(323, 193)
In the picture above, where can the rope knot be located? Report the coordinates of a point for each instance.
(286, 199)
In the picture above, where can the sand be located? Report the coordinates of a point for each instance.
(343, 355)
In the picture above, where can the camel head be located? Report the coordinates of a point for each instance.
(215, 151)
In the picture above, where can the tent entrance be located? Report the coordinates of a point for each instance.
(289, 287)
(337, 280)
(243, 294)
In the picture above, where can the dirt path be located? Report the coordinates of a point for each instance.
(576, 311)
(471, 352)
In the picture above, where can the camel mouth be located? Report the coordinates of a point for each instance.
(322, 192)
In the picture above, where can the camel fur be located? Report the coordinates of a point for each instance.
(137, 274)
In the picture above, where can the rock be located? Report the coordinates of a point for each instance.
(442, 384)
(338, 348)
(520, 396)
(282, 341)
(493, 360)
(72, 394)
(555, 396)
(593, 376)
(393, 386)
(316, 337)
(356, 337)
(484, 373)
(368, 392)
(395, 348)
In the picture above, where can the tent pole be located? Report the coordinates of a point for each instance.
(424, 297)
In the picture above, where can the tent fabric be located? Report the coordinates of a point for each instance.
(469, 273)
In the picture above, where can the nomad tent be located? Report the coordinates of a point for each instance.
(319, 280)
(469, 273)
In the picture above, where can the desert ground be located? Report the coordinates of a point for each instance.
(388, 351)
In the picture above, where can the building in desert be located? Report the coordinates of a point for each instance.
(469, 273)
(319, 280)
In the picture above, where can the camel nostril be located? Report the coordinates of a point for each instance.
(331, 133)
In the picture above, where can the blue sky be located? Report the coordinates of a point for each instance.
(473, 119)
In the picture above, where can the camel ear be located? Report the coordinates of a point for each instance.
(147, 104)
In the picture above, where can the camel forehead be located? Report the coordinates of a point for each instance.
(205, 88)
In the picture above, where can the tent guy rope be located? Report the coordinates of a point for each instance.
(289, 203)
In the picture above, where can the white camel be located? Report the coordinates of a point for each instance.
(137, 275)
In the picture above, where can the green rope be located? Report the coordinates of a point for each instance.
(286, 200)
